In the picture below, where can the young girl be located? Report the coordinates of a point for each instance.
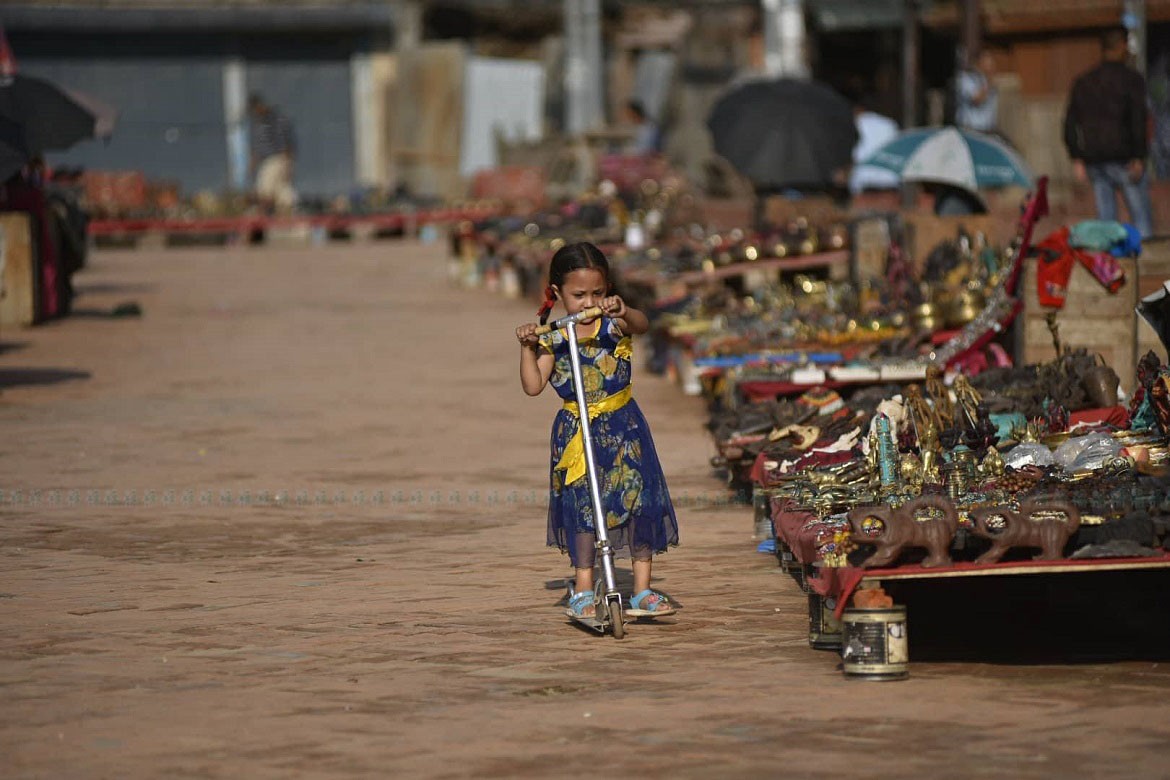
(639, 515)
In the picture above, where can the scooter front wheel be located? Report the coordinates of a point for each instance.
(616, 621)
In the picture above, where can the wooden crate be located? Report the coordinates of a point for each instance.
(1153, 270)
(18, 282)
(924, 232)
(1092, 318)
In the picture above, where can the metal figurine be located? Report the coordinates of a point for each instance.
(928, 446)
(910, 468)
(926, 428)
(941, 397)
(992, 465)
(1054, 329)
(887, 454)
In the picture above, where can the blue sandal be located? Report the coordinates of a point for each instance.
(650, 603)
(581, 604)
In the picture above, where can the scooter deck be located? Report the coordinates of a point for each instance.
(590, 622)
(643, 614)
(601, 626)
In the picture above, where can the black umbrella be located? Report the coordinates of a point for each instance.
(13, 152)
(784, 133)
(52, 117)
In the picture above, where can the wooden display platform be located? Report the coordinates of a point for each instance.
(841, 583)
(669, 285)
(248, 224)
(1066, 566)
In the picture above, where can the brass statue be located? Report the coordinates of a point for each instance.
(992, 465)
(910, 470)
(926, 428)
(968, 399)
(937, 389)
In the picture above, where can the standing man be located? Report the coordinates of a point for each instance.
(1106, 129)
(272, 146)
(977, 99)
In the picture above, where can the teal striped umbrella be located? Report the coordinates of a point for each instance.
(952, 156)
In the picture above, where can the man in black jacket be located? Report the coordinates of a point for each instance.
(1106, 132)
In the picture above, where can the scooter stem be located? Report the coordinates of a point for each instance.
(603, 545)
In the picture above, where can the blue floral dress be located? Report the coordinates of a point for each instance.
(639, 515)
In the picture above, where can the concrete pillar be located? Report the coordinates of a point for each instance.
(367, 115)
(1134, 19)
(910, 81)
(971, 32)
(583, 66)
(235, 115)
(784, 39)
(910, 63)
(404, 113)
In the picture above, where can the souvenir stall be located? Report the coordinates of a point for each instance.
(1037, 469)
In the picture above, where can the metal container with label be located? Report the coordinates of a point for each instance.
(874, 644)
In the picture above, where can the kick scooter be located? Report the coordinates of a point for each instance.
(607, 606)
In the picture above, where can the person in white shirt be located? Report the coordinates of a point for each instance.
(977, 100)
(873, 132)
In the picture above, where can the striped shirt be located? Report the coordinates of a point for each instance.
(271, 134)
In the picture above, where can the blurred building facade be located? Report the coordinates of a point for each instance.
(180, 77)
(418, 94)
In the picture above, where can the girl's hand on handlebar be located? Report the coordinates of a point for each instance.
(614, 306)
(526, 335)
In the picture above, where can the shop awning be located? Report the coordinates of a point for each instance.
(284, 18)
(845, 15)
(1027, 16)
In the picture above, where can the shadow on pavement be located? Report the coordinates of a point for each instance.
(25, 377)
(12, 346)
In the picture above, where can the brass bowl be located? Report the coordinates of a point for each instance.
(925, 316)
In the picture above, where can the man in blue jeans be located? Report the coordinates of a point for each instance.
(1106, 132)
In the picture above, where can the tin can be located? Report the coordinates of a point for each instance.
(824, 629)
(874, 644)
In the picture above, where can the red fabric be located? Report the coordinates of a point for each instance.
(1105, 269)
(757, 472)
(7, 60)
(791, 525)
(1056, 263)
(1054, 268)
(1117, 416)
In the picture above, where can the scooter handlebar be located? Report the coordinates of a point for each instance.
(572, 319)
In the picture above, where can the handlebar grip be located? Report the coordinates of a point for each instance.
(572, 319)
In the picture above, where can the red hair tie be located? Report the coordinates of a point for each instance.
(550, 300)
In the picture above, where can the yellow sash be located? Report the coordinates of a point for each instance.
(572, 460)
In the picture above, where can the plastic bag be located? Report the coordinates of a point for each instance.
(1029, 453)
(1091, 451)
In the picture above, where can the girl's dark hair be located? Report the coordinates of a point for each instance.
(568, 258)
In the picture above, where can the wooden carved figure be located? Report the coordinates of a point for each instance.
(1046, 525)
(927, 522)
